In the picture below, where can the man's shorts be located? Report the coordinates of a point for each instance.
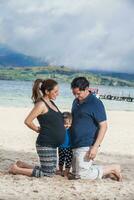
(84, 168)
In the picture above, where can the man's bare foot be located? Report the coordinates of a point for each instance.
(117, 173)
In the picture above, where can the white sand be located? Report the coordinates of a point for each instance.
(18, 142)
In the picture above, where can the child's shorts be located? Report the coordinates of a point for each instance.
(65, 156)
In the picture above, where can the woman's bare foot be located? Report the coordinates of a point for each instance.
(20, 164)
(13, 168)
(23, 165)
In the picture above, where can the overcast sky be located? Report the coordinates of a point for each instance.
(90, 34)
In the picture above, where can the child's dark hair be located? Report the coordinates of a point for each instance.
(67, 115)
(40, 87)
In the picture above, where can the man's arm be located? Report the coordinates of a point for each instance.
(94, 149)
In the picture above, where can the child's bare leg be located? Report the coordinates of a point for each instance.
(60, 170)
(113, 169)
(66, 172)
(14, 169)
(24, 165)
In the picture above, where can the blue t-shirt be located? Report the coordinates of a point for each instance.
(86, 118)
(66, 143)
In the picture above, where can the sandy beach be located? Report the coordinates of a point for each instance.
(18, 142)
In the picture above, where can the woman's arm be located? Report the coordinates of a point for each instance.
(38, 109)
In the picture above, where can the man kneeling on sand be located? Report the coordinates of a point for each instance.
(88, 128)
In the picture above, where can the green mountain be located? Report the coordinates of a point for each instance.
(60, 73)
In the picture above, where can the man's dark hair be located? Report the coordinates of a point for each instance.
(80, 82)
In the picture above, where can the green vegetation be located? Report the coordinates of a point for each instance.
(62, 74)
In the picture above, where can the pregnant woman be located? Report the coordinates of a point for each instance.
(51, 131)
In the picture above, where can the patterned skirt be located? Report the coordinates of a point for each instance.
(48, 161)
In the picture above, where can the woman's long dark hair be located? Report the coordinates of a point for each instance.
(40, 87)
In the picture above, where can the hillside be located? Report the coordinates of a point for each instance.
(125, 76)
(61, 73)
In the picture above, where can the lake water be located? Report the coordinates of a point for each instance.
(18, 94)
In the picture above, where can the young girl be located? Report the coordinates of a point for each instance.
(65, 151)
(51, 130)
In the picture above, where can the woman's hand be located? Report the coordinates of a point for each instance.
(38, 130)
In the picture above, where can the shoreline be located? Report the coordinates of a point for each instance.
(61, 108)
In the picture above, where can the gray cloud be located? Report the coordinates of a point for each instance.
(83, 34)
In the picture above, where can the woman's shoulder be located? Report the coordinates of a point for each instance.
(40, 107)
(40, 104)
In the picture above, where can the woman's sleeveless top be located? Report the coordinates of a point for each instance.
(52, 131)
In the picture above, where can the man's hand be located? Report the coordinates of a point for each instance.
(92, 152)
(94, 149)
